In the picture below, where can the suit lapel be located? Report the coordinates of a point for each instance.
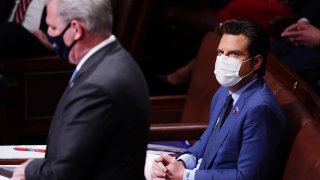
(223, 133)
(232, 117)
(215, 112)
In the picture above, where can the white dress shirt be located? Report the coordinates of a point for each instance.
(95, 49)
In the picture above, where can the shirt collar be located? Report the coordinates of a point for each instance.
(107, 41)
(236, 95)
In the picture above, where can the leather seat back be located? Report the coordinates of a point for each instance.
(203, 83)
(304, 158)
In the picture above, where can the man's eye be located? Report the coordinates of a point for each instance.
(234, 55)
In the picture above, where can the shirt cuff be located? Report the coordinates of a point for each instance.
(189, 160)
(189, 174)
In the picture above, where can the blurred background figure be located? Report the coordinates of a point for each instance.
(264, 12)
(299, 46)
(22, 29)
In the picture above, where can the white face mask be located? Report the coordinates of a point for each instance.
(227, 70)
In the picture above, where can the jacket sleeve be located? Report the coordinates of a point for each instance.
(87, 123)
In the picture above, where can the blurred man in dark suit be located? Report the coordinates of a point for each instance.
(100, 126)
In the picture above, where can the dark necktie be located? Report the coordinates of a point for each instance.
(227, 106)
(21, 11)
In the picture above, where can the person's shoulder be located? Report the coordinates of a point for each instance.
(115, 50)
(259, 92)
(265, 93)
(116, 64)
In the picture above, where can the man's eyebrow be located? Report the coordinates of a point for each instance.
(236, 51)
(232, 52)
(241, 53)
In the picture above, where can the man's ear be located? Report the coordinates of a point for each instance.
(257, 62)
(77, 28)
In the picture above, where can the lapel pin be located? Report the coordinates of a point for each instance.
(235, 110)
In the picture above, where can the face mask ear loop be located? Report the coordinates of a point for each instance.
(66, 28)
(72, 44)
(251, 66)
(248, 59)
(247, 74)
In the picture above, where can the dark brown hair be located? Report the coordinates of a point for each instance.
(257, 37)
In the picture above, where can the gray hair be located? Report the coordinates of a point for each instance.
(96, 14)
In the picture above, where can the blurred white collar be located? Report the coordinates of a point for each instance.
(109, 40)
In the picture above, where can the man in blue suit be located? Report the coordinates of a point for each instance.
(248, 142)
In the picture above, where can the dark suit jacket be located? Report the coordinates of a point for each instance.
(99, 129)
(250, 143)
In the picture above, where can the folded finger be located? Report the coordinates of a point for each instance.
(158, 173)
(159, 167)
(158, 159)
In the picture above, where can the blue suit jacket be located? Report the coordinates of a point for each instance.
(251, 141)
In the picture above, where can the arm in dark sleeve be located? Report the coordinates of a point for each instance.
(87, 124)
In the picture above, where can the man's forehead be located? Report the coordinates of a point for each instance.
(234, 42)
